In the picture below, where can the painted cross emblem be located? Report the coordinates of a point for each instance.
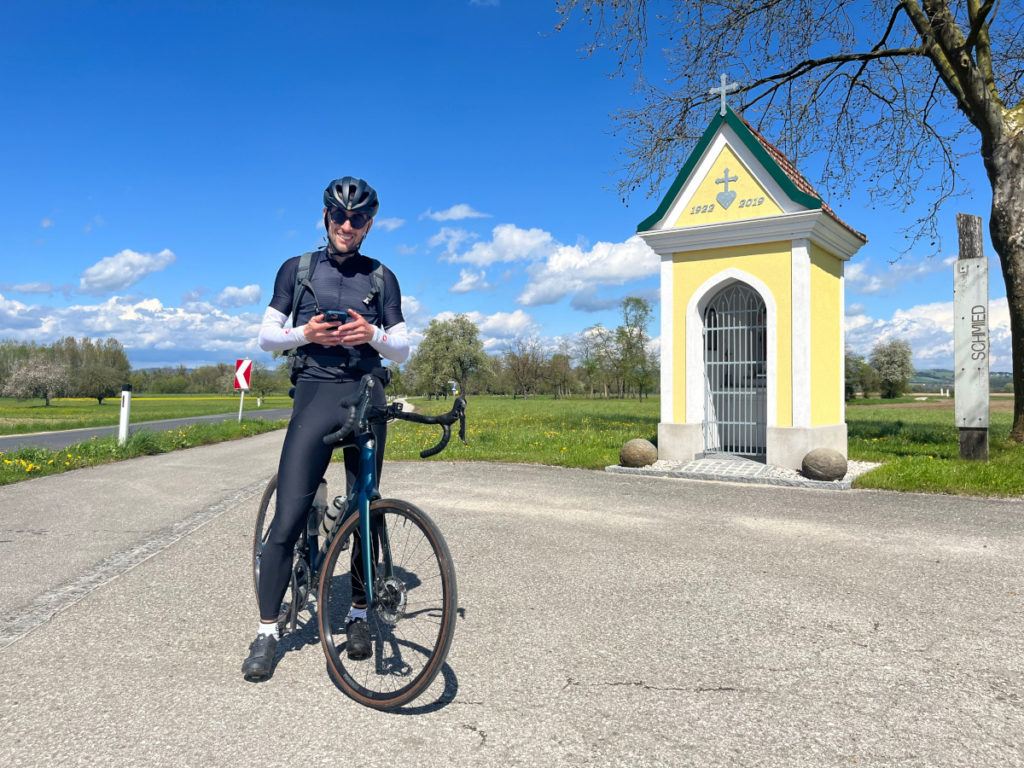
(726, 196)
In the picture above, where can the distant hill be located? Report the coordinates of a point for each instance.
(929, 379)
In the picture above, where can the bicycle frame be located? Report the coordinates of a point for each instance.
(366, 491)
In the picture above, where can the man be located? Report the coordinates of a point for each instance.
(330, 356)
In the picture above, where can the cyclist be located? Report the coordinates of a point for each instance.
(329, 358)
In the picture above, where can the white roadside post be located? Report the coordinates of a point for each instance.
(971, 341)
(126, 408)
(243, 370)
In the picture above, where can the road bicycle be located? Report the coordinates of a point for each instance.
(406, 575)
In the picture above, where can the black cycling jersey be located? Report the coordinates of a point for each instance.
(343, 286)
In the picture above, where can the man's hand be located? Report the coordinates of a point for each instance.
(319, 332)
(356, 331)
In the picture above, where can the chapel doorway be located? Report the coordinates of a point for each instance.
(735, 373)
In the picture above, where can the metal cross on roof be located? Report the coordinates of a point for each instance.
(723, 89)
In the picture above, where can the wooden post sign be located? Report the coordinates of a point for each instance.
(971, 340)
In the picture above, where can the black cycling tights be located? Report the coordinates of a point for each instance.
(304, 459)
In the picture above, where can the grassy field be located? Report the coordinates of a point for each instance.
(919, 445)
(26, 463)
(540, 430)
(915, 440)
(19, 417)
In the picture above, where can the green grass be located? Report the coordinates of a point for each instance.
(26, 463)
(19, 417)
(540, 430)
(920, 450)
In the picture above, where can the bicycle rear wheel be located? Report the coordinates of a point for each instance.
(264, 517)
(412, 621)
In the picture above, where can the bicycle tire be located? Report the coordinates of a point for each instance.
(413, 620)
(264, 517)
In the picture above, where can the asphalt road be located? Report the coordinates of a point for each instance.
(608, 620)
(58, 440)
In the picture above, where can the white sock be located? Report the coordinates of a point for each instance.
(269, 629)
(356, 613)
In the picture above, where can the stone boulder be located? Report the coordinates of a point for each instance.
(638, 453)
(824, 464)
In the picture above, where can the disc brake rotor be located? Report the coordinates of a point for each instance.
(390, 599)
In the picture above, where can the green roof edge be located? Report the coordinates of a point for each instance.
(750, 142)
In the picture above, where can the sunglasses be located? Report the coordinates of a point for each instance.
(339, 216)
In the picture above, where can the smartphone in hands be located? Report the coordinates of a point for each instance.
(335, 316)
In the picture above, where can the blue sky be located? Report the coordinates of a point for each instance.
(162, 159)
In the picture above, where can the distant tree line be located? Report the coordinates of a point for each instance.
(91, 368)
(600, 362)
(67, 368)
(209, 379)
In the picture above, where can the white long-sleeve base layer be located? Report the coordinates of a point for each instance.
(391, 343)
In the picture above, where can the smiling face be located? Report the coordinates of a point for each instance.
(345, 237)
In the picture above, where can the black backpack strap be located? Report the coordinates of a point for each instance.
(377, 290)
(297, 360)
(302, 281)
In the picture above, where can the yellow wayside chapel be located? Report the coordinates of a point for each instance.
(751, 304)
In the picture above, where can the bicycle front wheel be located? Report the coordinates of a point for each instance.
(412, 621)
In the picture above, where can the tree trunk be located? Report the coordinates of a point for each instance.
(1004, 162)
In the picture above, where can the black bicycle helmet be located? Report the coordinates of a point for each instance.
(352, 194)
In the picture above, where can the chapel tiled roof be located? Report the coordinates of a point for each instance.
(795, 176)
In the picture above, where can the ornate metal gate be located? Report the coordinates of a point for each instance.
(735, 380)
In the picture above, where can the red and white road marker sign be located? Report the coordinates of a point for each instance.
(243, 373)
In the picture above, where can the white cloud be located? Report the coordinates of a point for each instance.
(928, 328)
(570, 269)
(504, 324)
(42, 288)
(46, 223)
(860, 279)
(239, 297)
(451, 238)
(470, 281)
(16, 317)
(508, 243)
(121, 271)
(413, 311)
(141, 327)
(388, 225)
(406, 250)
(456, 212)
